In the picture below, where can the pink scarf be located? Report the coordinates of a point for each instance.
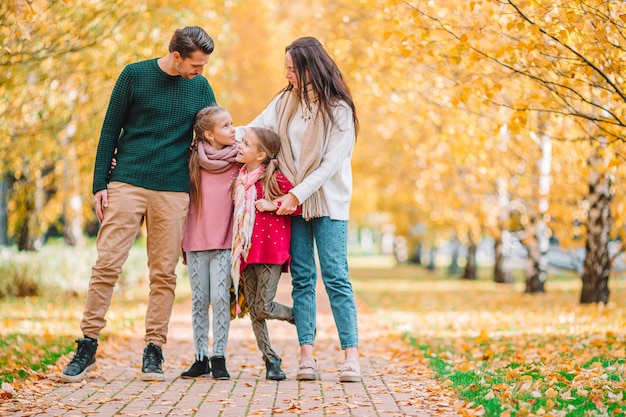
(216, 160)
(245, 196)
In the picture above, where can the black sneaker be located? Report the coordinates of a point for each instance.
(152, 361)
(84, 360)
(199, 368)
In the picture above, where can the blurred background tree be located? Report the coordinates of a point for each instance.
(488, 119)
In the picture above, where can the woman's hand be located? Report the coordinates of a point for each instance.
(287, 204)
(113, 164)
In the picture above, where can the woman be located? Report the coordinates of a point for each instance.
(315, 118)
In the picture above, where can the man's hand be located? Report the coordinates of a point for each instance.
(101, 201)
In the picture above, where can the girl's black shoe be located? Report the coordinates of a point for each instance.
(274, 372)
(199, 368)
(218, 367)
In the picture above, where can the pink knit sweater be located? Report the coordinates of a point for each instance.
(213, 228)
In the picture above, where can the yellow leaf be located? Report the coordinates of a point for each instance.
(616, 398)
(551, 393)
(567, 395)
(464, 367)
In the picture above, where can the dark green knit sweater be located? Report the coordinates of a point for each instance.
(150, 122)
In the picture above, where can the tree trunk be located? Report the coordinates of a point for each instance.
(431, 261)
(72, 206)
(453, 269)
(470, 265)
(4, 214)
(539, 242)
(24, 238)
(29, 231)
(416, 258)
(502, 244)
(597, 265)
(537, 262)
(73, 222)
(501, 270)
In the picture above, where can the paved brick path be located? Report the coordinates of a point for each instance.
(395, 380)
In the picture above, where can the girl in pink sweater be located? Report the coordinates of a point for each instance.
(261, 238)
(207, 237)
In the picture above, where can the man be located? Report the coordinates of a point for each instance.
(148, 129)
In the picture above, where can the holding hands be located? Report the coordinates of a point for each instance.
(284, 205)
(287, 204)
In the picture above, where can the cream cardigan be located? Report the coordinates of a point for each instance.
(334, 174)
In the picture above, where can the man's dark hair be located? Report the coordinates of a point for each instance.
(190, 39)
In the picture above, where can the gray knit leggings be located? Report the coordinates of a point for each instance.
(209, 277)
(260, 282)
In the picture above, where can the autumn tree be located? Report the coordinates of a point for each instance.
(60, 62)
(570, 53)
(457, 102)
(43, 85)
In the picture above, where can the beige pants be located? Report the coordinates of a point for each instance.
(164, 214)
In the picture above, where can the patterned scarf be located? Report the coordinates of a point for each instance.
(245, 196)
(311, 152)
(216, 160)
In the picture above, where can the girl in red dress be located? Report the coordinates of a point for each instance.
(261, 238)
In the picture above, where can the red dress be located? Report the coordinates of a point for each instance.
(271, 236)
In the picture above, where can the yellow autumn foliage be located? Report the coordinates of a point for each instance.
(453, 99)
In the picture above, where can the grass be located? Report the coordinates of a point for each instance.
(506, 352)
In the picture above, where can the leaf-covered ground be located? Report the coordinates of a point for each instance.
(508, 352)
(398, 381)
(505, 352)
(35, 332)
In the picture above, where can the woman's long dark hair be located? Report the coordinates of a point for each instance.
(309, 56)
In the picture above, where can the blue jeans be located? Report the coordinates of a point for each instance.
(330, 239)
